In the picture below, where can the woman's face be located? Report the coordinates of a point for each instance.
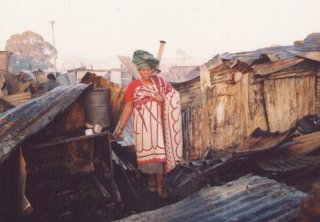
(146, 73)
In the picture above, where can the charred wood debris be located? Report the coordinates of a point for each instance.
(290, 157)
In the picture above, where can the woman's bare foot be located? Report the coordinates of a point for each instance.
(152, 186)
(162, 193)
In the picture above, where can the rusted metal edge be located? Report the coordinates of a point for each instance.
(34, 115)
(314, 55)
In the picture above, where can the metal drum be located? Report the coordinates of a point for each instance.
(97, 107)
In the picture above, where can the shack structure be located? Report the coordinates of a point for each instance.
(234, 93)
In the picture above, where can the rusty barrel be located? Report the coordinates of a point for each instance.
(97, 104)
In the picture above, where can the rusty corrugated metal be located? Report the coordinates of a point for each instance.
(260, 140)
(271, 152)
(274, 58)
(306, 144)
(24, 120)
(308, 55)
(250, 198)
(284, 160)
(251, 57)
(269, 68)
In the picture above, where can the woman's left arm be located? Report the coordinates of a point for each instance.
(125, 117)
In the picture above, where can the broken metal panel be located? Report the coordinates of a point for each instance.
(308, 55)
(307, 124)
(283, 160)
(214, 62)
(67, 182)
(24, 120)
(269, 68)
(260, 140)
(250, 198)
(306, 143)
(272, 57)
(260, 55)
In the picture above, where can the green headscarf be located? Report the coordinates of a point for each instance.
(144, 59)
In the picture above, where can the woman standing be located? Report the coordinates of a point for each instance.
(157, 121)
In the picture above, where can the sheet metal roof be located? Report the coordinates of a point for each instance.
(269, 68)
(250, 198)
(269, 60)
(22, 121)
(308, 55)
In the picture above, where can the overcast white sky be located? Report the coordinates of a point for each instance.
(102, 29)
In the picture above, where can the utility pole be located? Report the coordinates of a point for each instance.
(55, 51)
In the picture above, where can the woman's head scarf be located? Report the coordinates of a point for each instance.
(144, 59)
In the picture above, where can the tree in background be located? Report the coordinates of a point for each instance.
(30, 52)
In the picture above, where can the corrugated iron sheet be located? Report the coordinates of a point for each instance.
(308, 55)
(24, 120)
(273, 59)
(250, 198)
(260, 140)
(272, 53)
(269, 68)
(271, 152)
(306, 144)
(284, 160)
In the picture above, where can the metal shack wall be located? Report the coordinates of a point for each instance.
(225, 113)
(288, 99)
(232, 112)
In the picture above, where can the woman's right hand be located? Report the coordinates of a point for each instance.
(158, 98)
(118, 133)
